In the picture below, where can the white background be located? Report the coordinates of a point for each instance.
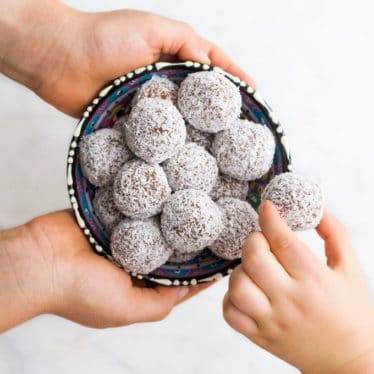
(313, 62)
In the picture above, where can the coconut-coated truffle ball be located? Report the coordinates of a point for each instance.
(139, 246)
(102, 154)
(120, 123)
(157, 87)
(155, 130)
(239, 220)
(190, 220)
(179, 257)
(209, 101)
(192, 167)
(245, 151)
(105, 209)
(229, 187)
(199, 137)
(140, 189)
(298, 199)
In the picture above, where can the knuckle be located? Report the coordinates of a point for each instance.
(238, 288)
(228, 312)
(235, 279)
(253, 247)
(252, 257)
(251, 239)
(282, 243)
(236, 296)
(273, 331)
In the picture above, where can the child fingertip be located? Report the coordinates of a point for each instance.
(263, 205)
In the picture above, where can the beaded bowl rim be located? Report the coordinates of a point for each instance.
(107, 90)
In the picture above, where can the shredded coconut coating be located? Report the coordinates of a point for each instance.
(245, 151)
(157, 87)
(299, 200)
(229, 187)
(180, 257)
(190, 220)
(102, 154)
(139, 246)
(209, 101)
(155, 130)
(140, 189)
(239, 220)
(105, 209)
(199, 137)
(192, 167)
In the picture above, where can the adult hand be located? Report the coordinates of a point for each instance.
(66, 56)
(48, 266)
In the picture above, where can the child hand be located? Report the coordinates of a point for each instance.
(317, 317)
(48, 266)
(66, 56)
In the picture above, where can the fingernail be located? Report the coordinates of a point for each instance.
(182, 292)
(262, 206)
(203, 57)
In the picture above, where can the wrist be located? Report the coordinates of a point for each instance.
(24, 290)
(30, 32)
(361, 363)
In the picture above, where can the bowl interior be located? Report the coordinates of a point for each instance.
(114, 102)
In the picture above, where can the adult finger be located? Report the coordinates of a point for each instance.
(260, 264)
(194, 290)
(338, 247)
(219, 58)
(171, 37)
(179, 38)
(295, 257)
(153, 304)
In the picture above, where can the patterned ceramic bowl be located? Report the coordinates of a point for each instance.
(113, 102)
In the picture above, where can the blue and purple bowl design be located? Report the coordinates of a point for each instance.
(113, 102)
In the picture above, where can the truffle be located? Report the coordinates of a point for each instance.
(102, 154)
(199, 137)
(209, 101)
(298, 199)
(120, 123)
(139, 246)
(157, 87)
(192, 167)
(155, 130)
(180, 257)
(190, 220)
(239, 220)
(140, 189)
(229, 187)
(105, 209)
(245, 151)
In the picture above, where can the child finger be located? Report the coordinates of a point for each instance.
(295, 257)
(247, 296)
(238, 320)
(338, 247)
(260, 264)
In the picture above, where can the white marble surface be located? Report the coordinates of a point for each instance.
(313, 62)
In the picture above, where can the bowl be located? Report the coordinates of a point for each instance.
(113, 102)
